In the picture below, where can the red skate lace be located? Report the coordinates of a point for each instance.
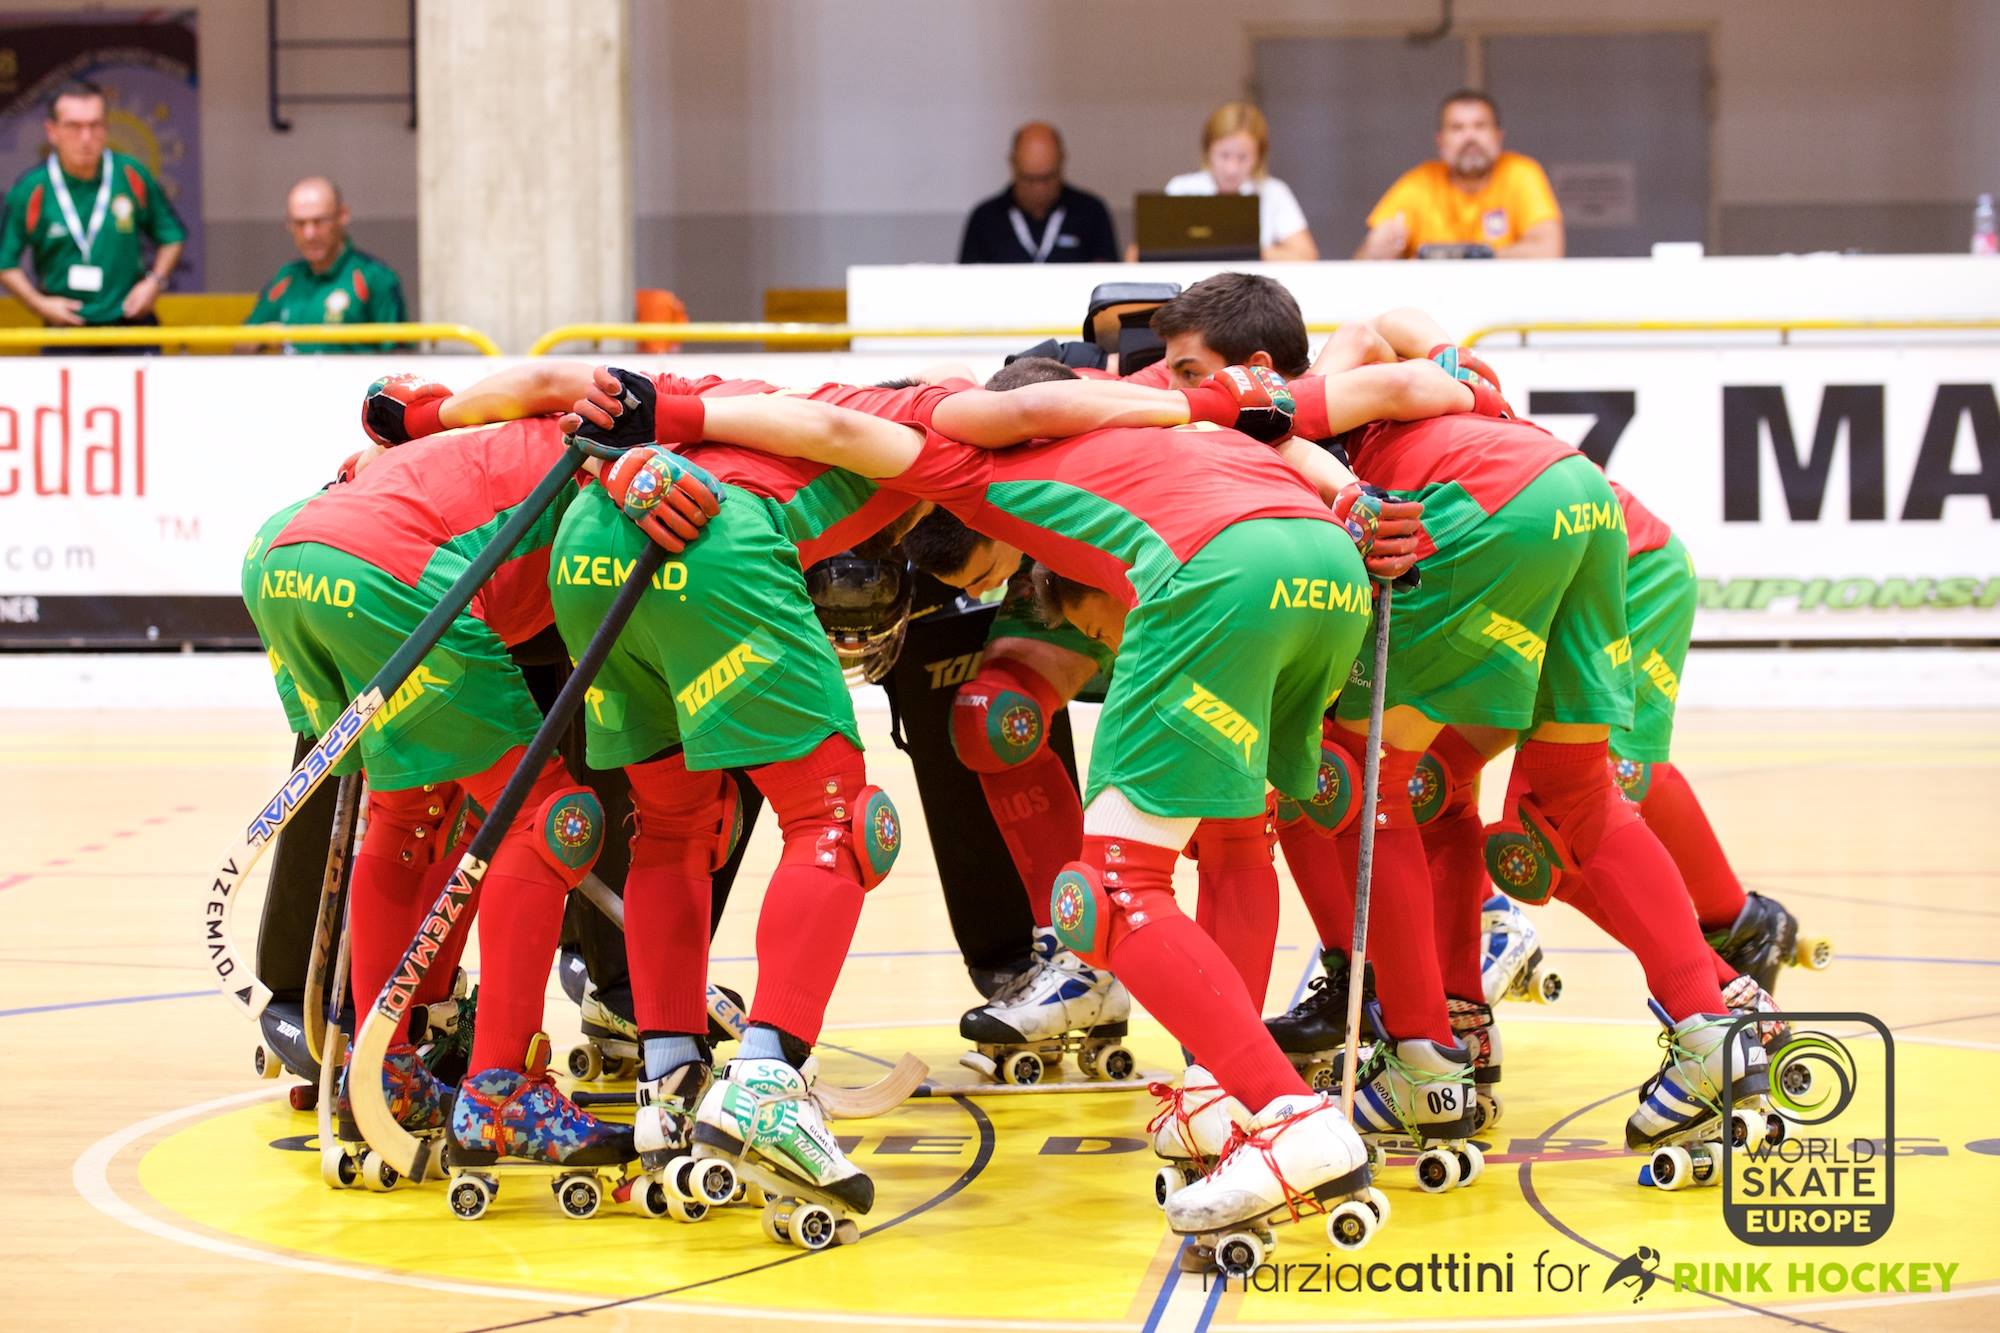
(495, 1132)
(1176, 1110)
(1264, 1140)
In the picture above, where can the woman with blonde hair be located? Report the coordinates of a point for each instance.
(1235, 147)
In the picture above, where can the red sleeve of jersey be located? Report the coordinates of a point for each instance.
(1644, 530)
(912, 404)
(945, 471)
(1155, 376)
(1309, 413)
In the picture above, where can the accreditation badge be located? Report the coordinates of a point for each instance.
(85, 278)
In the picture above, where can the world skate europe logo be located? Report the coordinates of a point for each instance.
(1812, 1161)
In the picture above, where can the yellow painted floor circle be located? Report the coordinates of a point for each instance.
(1036, 1208)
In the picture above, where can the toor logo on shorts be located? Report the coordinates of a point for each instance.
(1619, 651)
(723, 673)
(1513, 634)
(411, 690)
(1231, 725)
(1663, 677)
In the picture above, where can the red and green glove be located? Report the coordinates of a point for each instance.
(1385, 530)
(1251, 399)
(1476, 375)
(400, 408)
(671, 498)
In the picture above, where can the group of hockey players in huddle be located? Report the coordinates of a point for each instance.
(1212, 533)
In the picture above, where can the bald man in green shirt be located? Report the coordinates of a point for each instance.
(331, 282)
(85, 213)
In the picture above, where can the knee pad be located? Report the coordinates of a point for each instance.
(830, 816)
(1080, 911)
(569, 834)
(1527, 855)
(1000, 718)
(690, 821)
(877, 834)
(1447, 778)
(1634, 777)
(1116, 888)
(1336, 797)
(417, 825)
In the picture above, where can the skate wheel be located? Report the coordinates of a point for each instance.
(1116, 1064)
(652, 1198)
(1705, 1164)
(1775, 1128)
(469, 1197)
(1796, 1079)
(578, 1196)
(1086, 1062)
(1378, 1203)
(1378, 1159)
(1319, 1076)
(1471, 1164)
(714, 1181)
(686, 1210)
(1437, 1171)
(1745, 1128)
(376, 1173)
(1814, 955)
(305, 1097)
(586, 1062)
(1486, 1112)
(1023, 1069)
(1350, 1225)
(773, 1223)
(623, 1070)
(811, 1226)
(1238, 1253)
(1545, 986)
(1673, 1168)
(337, 1167)
(266, 1062)
(678, 1177)
(1167, 1182)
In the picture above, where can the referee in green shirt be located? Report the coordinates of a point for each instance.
(84, 213)
(330, 282)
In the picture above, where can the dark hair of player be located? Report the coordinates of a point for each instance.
(1053, 592)
(1470, 95)
(1239, 315)
(1029, 370)
(940, 544)
(71, 88)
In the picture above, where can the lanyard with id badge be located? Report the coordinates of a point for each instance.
(86, 276)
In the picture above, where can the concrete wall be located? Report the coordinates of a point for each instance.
(776, 141)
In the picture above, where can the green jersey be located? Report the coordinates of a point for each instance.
(86, 235)
(356, 288)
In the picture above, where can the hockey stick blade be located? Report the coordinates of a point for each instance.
(882, 1096)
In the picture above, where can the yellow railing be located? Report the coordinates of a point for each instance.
(785, 335)
(1784, 328)
(267, 335)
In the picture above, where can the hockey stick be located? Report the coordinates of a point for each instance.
(347, 801)
(218, 940)
(422, 1159)
(882, 1096)
(1364, 871)
(334, 1165)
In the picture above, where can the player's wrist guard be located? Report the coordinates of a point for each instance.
(399, 408)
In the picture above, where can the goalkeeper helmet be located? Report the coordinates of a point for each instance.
(864, 607)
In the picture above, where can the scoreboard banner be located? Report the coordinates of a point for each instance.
(1828, 494)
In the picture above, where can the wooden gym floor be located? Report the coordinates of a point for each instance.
(150, 1179)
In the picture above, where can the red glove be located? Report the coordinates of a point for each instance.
(400, 408)
(671, 498)
(1252, 399)
(1487, 402)
(1385, 531)
(1461, 364)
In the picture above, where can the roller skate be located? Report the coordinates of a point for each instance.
(1191, 1129)
(1420, 1097)
(1512, 967)
(418, 1100)
(1061, 1005)
(663, 1132)
(610, 1045)
(1472, 1023)
(1299, 1156)
(758, 1123)
(447, 1026)
(1312, 1031)
(507, 1121)
(1681, 1117)
(1765, 938)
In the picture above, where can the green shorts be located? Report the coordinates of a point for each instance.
(1660, 598)
(723, 655)
(1016, 619)
(253, 574)
(1521, 616)
(331, 620)
(1226, 671)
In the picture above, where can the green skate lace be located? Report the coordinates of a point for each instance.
(1680, 1059)
(1384, 1057)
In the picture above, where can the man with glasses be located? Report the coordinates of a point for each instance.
(1039, 218)
(330, 282)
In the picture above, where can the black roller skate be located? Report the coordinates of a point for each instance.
(1312, 1031)
(1765, 938)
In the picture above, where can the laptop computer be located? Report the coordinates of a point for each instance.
(1197, 226)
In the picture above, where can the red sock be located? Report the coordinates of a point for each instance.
(1677, 819)
(1401, 928)
(1314, 857)
(1238, 901)
(1040, 817)
(813, 904)
(1630, 883)
(381, 920)
(1183, 978)
(444, 968)
(395, 877)
(1454, 849)
(681, 824)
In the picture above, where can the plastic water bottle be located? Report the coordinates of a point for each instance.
(1985, 235)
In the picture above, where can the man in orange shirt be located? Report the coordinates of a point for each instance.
(1474, 194)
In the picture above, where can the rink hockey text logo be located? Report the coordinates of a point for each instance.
(1830, 1180)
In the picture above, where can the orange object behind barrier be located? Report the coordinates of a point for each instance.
(657, 305)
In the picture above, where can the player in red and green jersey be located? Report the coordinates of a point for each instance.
(1178, 528)
(335, 586)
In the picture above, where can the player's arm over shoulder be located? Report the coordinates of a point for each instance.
(1054, 409)
(533, 389)
(800, 428)
(1406, 391)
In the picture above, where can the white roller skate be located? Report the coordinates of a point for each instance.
(1475, 1029)
(1299, 1156)
(663, 1133)
(1190, 1129)
(1418, 1096)
(610, 1045)
(759, 1124)
(1511, 966)
(1061, 1005)
(1681, 1117)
